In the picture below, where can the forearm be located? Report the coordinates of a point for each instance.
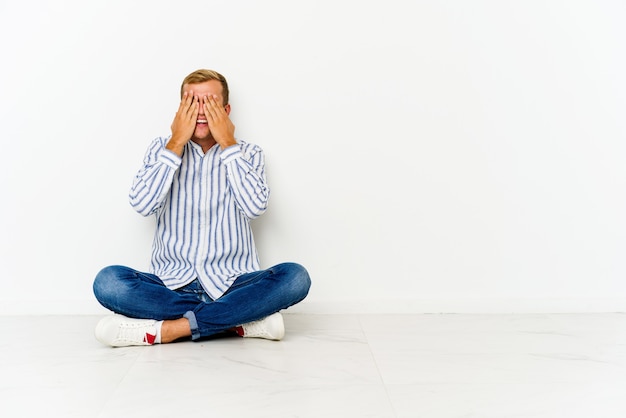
(154, 180)
(246, 178)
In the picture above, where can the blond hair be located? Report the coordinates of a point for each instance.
(200, 76)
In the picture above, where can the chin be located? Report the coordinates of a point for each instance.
(197, 137)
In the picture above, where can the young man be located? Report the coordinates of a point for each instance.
(204, 186)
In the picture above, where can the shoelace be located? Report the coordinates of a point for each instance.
(257, 329)
(135, 333)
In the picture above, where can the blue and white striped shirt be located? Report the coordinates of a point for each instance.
(203, 205)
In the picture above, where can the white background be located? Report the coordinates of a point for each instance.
(424, 156)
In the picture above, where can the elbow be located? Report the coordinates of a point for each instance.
(142, 208)
(257, 213)
(257, 209)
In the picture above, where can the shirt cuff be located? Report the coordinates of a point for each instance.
(169, 158)
(231, 153)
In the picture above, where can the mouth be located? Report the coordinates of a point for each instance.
(201, 122)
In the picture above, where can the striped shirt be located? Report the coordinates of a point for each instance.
(203, 205)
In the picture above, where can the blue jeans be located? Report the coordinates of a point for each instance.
(252, 296)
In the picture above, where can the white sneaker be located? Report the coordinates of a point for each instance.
(120, 331)
(270, 328)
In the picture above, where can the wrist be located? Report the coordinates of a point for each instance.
(176, 145)
(228, 143)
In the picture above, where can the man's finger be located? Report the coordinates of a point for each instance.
(218, 108)
(209, 108)
(195, 108)
(192, 110)
(187, 101)
(181, 105)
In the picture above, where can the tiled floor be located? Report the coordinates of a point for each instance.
(439, 366)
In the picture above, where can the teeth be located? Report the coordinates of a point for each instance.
(201, 121)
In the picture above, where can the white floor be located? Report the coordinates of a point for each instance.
(436, 366)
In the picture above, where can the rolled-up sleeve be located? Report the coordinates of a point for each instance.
(153, 181)
(245, 167)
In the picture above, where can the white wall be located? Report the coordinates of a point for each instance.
(424, 156)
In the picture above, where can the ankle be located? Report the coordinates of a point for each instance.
(174, 329)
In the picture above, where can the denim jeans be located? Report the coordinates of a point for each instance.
(252, 296)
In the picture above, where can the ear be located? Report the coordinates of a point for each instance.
(227, 109)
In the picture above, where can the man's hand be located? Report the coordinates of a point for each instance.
(184, 123)
(222, 128)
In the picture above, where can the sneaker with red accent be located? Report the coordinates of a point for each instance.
(270, 328)
(120, 331)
